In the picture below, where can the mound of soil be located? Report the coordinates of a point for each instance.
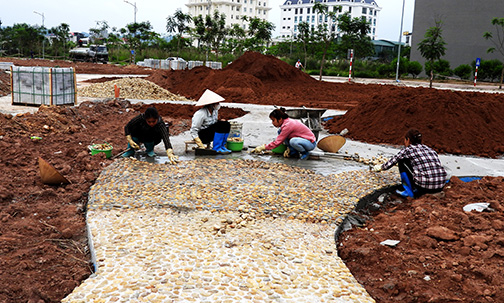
(444, 255)
(464, 123)
(43, 251)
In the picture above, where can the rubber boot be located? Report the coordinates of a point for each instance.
(129, 153)
(408, 189)
(224, 143)
(218, 143)
(149, 149)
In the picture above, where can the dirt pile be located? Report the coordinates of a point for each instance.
(466, 123)
(445, 253)
(44, 254)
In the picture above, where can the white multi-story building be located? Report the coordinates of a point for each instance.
(294, 12)
(233, 9)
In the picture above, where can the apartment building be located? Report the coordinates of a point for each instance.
(294, 12)
(233, 9)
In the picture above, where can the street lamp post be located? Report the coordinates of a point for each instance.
(399, 45)
(135, 8)
(43, 40)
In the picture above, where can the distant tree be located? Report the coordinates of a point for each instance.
(179, 23)
(260, 33)
(432, 48)
(414, 68)
(489, 69)
(99, 34)
(354, 33)
(304, 36)
(22, 38)
(403, 65)
(464, 71)
(326, 31)
(138, 36)
(236, 40)
(498, 41)
(60, 41)
(210, 30)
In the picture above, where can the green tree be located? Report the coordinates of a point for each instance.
(414, 68)
(326, 31)
(304, 37)
(354, 33)
(432, 48)
(60, 42)
(236, 41)
(138, 36)
(22, 39)
(210, 31)
(498, 41)
(259, 32)
(179, 23)
(464, 71)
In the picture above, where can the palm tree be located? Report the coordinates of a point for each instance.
(179, 22)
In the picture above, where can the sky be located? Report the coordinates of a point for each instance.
(81, 15)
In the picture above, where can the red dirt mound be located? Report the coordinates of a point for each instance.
(465, 123)
(268, 69)
(43, 243)
(445, 253)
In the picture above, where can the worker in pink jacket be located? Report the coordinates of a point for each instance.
(299, 139)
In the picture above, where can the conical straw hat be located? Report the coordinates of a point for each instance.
(209, 97)
(331, 144)
(49, 174)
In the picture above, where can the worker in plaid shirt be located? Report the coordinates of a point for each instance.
(419, 165)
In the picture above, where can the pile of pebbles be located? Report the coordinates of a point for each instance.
(130, 88)
(220, 231)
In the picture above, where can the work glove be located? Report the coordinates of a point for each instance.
(377, 168)
(286, 153)
(171, 157)
(199, 143)
(132, 143)
(259, 149)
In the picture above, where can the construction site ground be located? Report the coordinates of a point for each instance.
(184, 250)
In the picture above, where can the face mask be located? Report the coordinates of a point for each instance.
(216, 106)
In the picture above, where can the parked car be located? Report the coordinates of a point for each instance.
(176, 59)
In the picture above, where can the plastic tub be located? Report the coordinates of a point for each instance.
(279, 149)
(234, 146)
(101, 148)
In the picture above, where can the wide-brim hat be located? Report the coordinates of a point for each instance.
(209, 97)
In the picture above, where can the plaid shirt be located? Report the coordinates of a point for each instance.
(428, 172)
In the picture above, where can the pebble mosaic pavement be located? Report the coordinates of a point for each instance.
(221, 231)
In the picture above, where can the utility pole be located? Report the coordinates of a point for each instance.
(399, 45)
(135, 8)
(43, 40)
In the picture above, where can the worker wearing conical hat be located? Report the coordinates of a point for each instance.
(206, 126)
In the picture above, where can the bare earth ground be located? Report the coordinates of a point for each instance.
(44, 252)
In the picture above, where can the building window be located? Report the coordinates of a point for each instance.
(364, 10)
(295, 19)
(350, 9)
(308, 10)
(296, 11)
(300, 18)
(301, 11)
(371, 11)
(312, 18)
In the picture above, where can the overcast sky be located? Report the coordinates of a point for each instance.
(81, 15)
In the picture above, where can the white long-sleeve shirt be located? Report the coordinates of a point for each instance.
(203, 119)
